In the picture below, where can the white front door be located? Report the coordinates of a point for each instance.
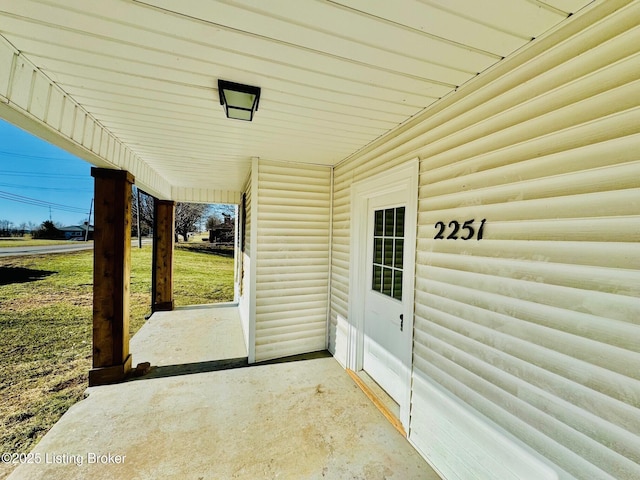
(385, 337)
(381, 287)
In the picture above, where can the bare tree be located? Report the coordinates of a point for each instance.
(146, 214)
(5, 228)
(188, 215)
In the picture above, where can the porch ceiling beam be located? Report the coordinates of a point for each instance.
(205, 195)
(33, 102)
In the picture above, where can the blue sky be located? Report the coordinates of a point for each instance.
(35, 175)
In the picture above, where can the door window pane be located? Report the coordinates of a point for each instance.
(397, 284)
(376, 284)
(400, 222)
(388, 222)
(377, 250)
(379, 224)
(388, 251)
(399, 253)
(387, 280)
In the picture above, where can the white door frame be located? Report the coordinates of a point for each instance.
(404, 178)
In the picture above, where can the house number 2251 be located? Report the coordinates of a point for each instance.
(466, 230)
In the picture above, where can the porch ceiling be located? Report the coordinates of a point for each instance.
(335, 75)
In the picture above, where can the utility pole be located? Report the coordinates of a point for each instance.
(86, 233)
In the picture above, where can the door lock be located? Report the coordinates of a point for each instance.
(401, 322)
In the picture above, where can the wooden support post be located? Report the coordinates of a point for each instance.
(111, 276)
(162, 269)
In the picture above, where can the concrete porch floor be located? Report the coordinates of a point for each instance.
(201, 413)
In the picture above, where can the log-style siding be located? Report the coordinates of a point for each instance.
(530, 335)
(292, 259)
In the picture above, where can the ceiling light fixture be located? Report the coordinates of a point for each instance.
(240, 101)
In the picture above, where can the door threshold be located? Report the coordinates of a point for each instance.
(381, 399)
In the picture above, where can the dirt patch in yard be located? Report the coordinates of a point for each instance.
(46, 299)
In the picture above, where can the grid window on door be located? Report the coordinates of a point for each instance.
(388, 250)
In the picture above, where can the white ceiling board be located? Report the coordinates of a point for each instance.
(217, 130)
(326, 79)
(440, 23)
(186, 136)
(335, 74)
(524, 18)
(211, 113)
(171, 127)
(279, 100)
(348, 35)
(568, 6)
(303, 95)
(222, 52)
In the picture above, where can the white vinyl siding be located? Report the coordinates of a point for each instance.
(339, 301)
(244, 304)
(292, 259)
(248, 218)
(534, 330)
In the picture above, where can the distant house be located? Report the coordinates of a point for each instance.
(79, 232)
(224, 232)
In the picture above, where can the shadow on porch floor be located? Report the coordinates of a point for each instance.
(200, 414)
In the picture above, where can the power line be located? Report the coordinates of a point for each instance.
(40, 203)
(12, 173)
(31, 187)
(38, 157)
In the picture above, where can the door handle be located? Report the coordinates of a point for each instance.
(401, 322)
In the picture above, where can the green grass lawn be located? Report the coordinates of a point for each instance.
(46, 322)
(29, 242)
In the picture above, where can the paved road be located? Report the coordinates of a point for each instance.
(41, 250)
(46, 249)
